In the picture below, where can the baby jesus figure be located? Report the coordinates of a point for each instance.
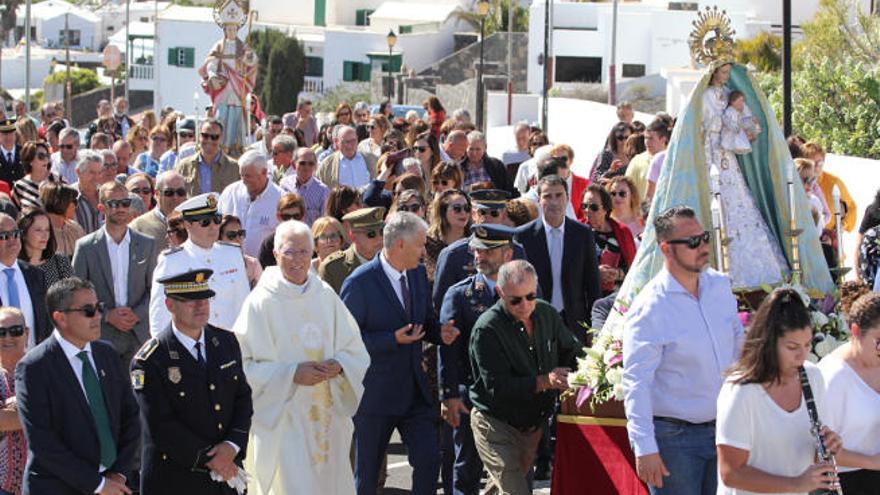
(739, 126)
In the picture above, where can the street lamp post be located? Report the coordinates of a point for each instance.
(392, 40)
(482, 9)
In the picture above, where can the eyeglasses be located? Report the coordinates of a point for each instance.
(177, 232)
(561, 159)
(459, 208)
(12, 331)
(345, 113)
(277, 152)
(411, 208)
(209, 136)
(171, 192)
(89, 310)
(118, 203)
(590, 206)
(615, 194)
(492, 213)
(291, 216)
(442, 183)
(110, 165)
(293, 253)
(306, 163)
(329, 237)
(421, 149)
(372, 234)
(10, 234)
(187, 135)
(142, 190)
(517, 300)
(67, 146)
(204, 222)
(369, 127)
(41, 156)
(232, 235)
(694, 241)
(158, 138)
(621, 137)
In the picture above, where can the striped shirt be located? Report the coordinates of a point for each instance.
(87, 215)
(313, 192)
(474, 175)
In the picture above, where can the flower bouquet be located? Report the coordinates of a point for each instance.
(599, 375)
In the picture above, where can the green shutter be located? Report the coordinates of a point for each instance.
(404, 29)
(172, 56)
(365, 71)
(360, 19)
(320, 12)
(347, 71)
(189, 56)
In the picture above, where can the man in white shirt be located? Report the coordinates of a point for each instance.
(347, 167)
(65, 159)
(253, 199)
(119, 261)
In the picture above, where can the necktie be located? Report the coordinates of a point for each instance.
(9, 158)
(12, 288)
(404, 289)
(199, 358)
(99, 410)
(556, 299)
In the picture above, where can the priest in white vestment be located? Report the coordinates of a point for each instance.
(305, 361)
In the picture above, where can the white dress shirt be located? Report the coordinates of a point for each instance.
(65, 170)
(119, 260)
(257, 216)
(394, 277)
(353, 172)
(24, 298)
(8, 155)
(676, 348)
(555, 248)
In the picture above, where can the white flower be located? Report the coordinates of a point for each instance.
(614, 375)
(608, 356)
(818, 319)
(800, 289)
(618, 391)
(617, 332)
(827, 345)
(812, 358)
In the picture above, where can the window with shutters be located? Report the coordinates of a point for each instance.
(362, 17)
(314, 67)
(404, 29)
(355, 71)
(633, 70)
(181, 57)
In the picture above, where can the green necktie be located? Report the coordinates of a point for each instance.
(99, 410)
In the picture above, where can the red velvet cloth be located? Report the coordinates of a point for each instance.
(594, 459)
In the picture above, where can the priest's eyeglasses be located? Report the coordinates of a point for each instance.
(694, 241)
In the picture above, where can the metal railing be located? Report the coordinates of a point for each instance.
(140, 71)
(313, 85)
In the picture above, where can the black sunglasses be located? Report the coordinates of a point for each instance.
(67, 146)
(291, 216)
(187, 135)
(12, 331)
(459, 208)
(590, 206)
(421, 149)
(178, 232)
(409, 208)
(613, 194)
(621, 137)
(89, 310)
(140, 190)
(491, 213)
(517, 300)
(232, 235)
(118, 203)
(7, 234)
(372, 234)
(171, 192)
(209, 136)
(205, 221)
(306, 163)
(694, 241)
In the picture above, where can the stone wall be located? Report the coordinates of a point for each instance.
(83, 105)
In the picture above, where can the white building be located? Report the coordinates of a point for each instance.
(47, 25)
(344, 40)
(651, 34)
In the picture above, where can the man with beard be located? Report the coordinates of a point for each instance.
(682, 333)
(464, 303)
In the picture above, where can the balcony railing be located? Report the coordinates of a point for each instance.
(313, 85)
(140, 71)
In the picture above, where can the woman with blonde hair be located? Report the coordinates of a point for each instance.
(25, 131)
(625, 207)
(329, 237)
(344, 114)
(149, 160)
(138, 138)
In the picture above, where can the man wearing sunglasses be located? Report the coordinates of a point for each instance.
(209, 170)
(64, 160)
(456, 261)
(10, 153)
(682, 332)
(75, 402)
(253, 200)
(303, 182)
(282, 162)
(347, 166)
(119, 261)
(195, 401)
(464, 303)
(365, 233)
(22, 286)
(520, 352)
(202, 250)
(170, 192)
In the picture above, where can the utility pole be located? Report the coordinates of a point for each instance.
(545, 95)
(612, 68)
(786, 67)
(68, 108)
(27, 56)
(128, 50)
(509, 58)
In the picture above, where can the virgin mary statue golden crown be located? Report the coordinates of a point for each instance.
(712, 38)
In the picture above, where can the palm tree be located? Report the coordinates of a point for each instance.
(496, 19)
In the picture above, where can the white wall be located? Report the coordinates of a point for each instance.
(13, 72)
(280, 11)
(50, 29)
(178, 84)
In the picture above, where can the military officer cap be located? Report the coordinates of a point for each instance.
(187, 124)
(366, 218)
(203, 205)
(489, 199)
(191, 285)
(7, 125)
(490, 236)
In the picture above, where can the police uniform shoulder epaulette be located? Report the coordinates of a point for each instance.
(147, 349)
(171, 250)
(226, 243)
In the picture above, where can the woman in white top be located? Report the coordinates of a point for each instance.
(763, 430)
(852, 393)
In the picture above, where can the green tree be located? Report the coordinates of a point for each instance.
(764, 52)
(496, 19)
(81, 80)
(284, 77)
(839, 30)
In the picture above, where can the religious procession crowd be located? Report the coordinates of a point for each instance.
(175, 320)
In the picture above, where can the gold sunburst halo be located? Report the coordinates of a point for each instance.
(712, 37)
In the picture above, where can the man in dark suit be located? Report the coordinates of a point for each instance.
(391, 302)
(563, 252)
(120, 262)
(10, 153)
(195, 402)
(479, 167)
(22, 285)
(75, 402)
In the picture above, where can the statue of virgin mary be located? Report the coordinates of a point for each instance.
(753, 189)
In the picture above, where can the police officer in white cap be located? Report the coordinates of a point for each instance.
(202, 250)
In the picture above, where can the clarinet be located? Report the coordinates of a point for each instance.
(815, 429)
